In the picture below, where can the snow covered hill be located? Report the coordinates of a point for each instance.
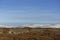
(33, 26)
(42, 25)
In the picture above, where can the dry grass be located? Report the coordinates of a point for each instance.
(32, 34)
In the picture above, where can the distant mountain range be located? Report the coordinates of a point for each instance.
(42, 25)
(5, 26)
(33, 26)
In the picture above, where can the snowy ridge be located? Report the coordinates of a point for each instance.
(33, 26)
(5, 26)
(43, 25)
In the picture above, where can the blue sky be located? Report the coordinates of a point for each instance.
(17, 12)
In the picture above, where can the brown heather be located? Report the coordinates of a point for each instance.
(29, 33)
